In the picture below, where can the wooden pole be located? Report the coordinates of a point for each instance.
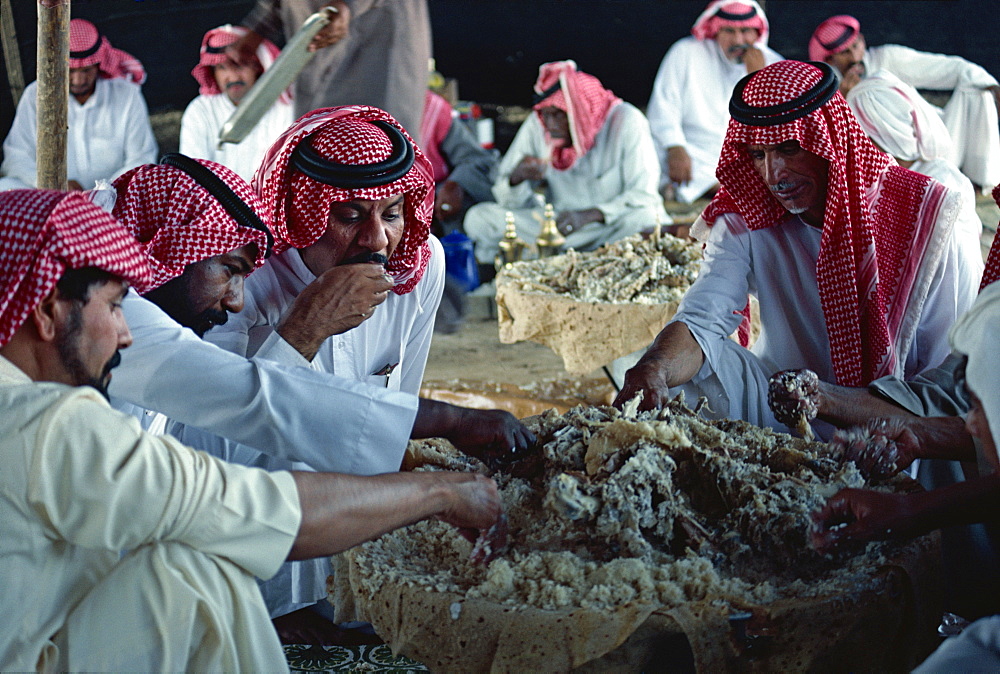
(11, 54)
(53, 94)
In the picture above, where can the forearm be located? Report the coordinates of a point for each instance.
(675, 354)
(436, 419)
(844, 406)
(944, 438)
(340, 511)
(966, 502)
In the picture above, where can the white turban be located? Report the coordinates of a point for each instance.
(975, 335)
(898, 119)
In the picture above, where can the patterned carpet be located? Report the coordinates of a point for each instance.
(362, 658)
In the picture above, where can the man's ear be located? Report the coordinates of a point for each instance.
(49, 315)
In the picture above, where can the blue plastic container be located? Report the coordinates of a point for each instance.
(459, 260)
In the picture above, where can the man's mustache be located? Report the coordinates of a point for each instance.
(377, 258)
(237, 83)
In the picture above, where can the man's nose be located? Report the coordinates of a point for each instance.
(774, 168)
(373, 236)
(124, 334)
(234, 297)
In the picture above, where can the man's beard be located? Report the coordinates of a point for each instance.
(68, 344)
(377, 258)
(737, 53)
(174, 298)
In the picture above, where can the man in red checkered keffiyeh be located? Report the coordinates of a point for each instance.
(198, 225)
(58, 246)
(586, 152)
(222, 85)
(108, 122)
(852, 258)
(352, 290)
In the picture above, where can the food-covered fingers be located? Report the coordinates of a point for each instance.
(793, 396)
(474, 501)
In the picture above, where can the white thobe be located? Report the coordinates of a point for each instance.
(398, 335)
(970, 114)
(619, 175)
(107, 135)
(689, 107)
(778, 265)
(82, 482)
(200, 126)
(297, 413)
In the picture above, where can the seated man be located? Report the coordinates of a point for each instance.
(318, 305)
(854, 515)
(687, 109)
(464, 171)
(586, 152)
(222, 83)
(83, 482)
(900, 122)
(971, 112)
(109, 130)
(853, 259)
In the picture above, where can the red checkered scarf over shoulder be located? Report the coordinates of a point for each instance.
(584, 100)
(88, 47)
(298, 207)
(992, 271)
(178, 222)
(213, 52)
(45, 232)
(735, 13)
(880, 244)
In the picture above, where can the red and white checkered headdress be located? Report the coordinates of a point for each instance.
(833, 36)
(735, 13)
(298, 206)
(88, 47)
(868, 263)
(213, 52)
(178, 220)
(45, 232)
(584, 100)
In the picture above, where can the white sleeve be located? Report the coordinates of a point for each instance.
(19, 146)
(723, 284)
(639, 165)
(140, 144)
(295, 413)
(431, 289)
(529, 141)
(666, 104)
(924, 70)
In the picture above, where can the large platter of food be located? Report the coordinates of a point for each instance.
(628, 529)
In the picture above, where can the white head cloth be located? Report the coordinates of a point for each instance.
(975, 335)
(898, 119)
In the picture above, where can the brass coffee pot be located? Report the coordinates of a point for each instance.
(511, 245)
(549, 241)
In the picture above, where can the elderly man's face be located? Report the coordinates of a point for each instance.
(234, 80)
(796, 177)
(359, 230)
(556, 122)
(849, 59)
(734, 41)
(90, 334)
(204, 295)
(83, 81)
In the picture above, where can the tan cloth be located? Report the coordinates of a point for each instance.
(81, 482)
